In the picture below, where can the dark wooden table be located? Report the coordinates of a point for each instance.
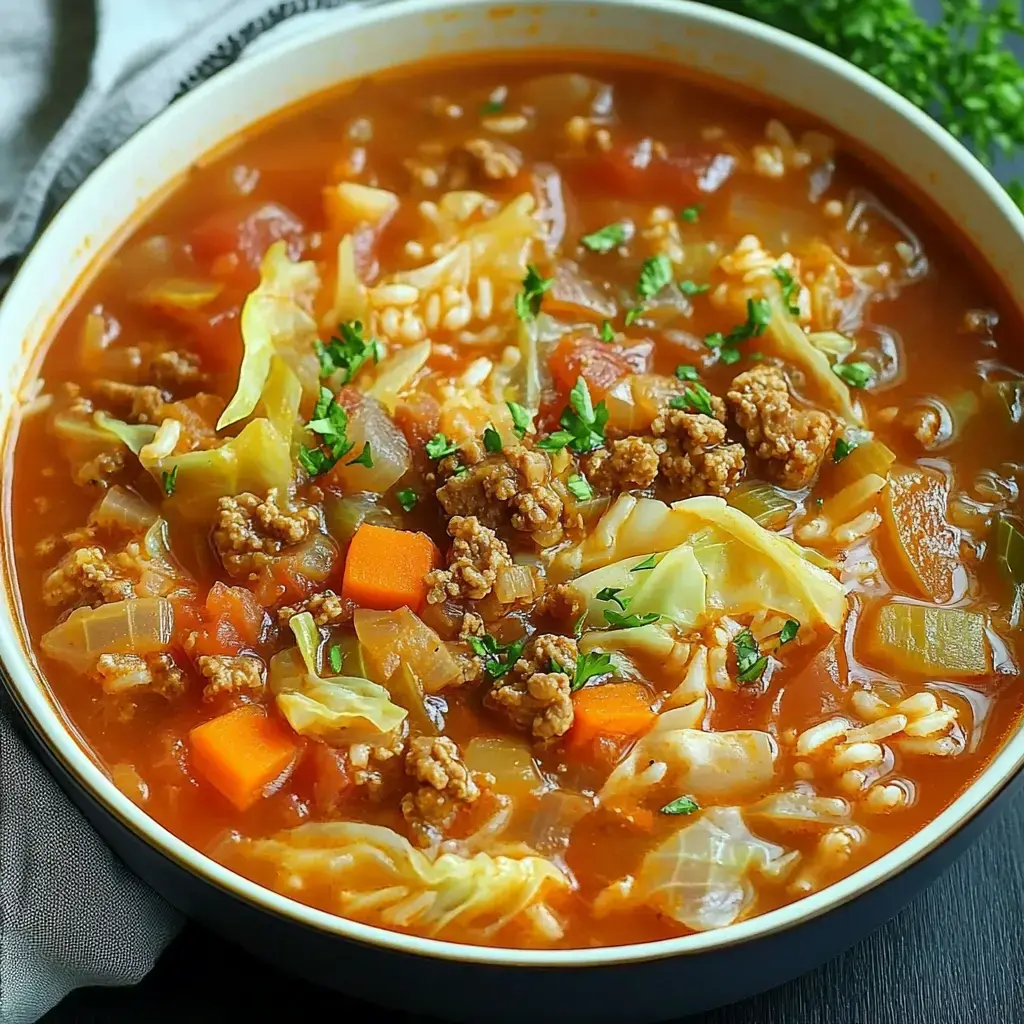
(953, 956)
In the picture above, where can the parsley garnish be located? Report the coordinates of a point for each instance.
(842, 449)
(857, 375)
(759, 315)
(582, 424)
(330, 424)
(336, 657)
(749, 660)
(633, 314)
(347, 353)
(169, 480)
(364, 458)
(607, 331)
(686, 372)
(497, 658)
(696, 399)
(612, 594)
(681, 805)
(692, 288)
(648, 563)
(492, 440)
(529, 299)
(520, 419)
(590, 665)
(579, 488)
(788, 631)
(691, 214)
(439, 447)
(620, 621)
(611, 236)
(407, 498)
(492, 106)
(790, 288)
(655, 274)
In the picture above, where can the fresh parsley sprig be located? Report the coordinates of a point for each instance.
(330, 426)
(582, 423)
(346, 354)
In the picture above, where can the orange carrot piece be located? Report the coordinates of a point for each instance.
(385, 568)
(241, 753)
(612, 709)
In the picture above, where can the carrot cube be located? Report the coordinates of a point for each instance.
(385, 569)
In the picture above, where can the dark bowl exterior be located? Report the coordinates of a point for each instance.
(641, 991)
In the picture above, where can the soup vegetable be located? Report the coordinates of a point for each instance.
(540, 506)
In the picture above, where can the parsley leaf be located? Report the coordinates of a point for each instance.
(749, 660)
(611, 236)
(336, 657)
(790, 289)
(691, 214)
(407, 498)
(492, 106)
(579, 487)
(169, 480)
(620, 621)
(521, 420)
(346, 354)
(612, 594)
(648, 563)
(759, 316)
(729, 355)
(686, 372)
(439, 447)
(582, 423)
(590, 665)
(364, 458)
(842, 449)
(788, 631)
(694, 399)
(681, 805)
(633, 314)
(497, 658)
(607, 331)
(529, 299)
(692, 288)
(655, 274)
(330, 424)
(857, 375)
(492, 440)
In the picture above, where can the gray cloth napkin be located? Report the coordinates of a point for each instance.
(85, 76)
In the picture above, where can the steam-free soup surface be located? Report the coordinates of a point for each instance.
(558, 505)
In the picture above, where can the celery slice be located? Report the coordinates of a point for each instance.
(1008, 551)
(765, 504)
(923, 640)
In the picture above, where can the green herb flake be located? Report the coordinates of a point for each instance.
(686, 372)
(582, 423)
(842, 449)
(750, 663)
(336, 657)
(691, 214)
(521, 420)
(648, 563)
(330, 424)
(364, 458)
(790, 289)
(492, 440)
(407, 498)
(589, 666)
(607, 331)
(696, 398)
(633, 314)
(529, 299)
(497, 658)
(439, 447)
(681, 805)
(611, 236)
(492, 106)
(788, 631)
(617, 620)
(857, 374)
(655, 274)
(692, 288)
(169, 479)
(612, 594)
(729, 355)
(345, 355)
(579, 487)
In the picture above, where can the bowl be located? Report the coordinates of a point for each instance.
(643, 982)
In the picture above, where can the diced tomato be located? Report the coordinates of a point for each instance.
(600, 363)
(417, 417)
(232, 621)
(248, 229)
(332, 780)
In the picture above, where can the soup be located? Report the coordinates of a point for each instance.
(551, 505)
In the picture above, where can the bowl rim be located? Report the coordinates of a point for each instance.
(25, 681)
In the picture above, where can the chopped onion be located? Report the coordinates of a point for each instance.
(345, 514)
(514, 583)
(125, 510)
(179, 293)
(509, 761)
(369, 424)
(392, 640)
(556, 817)
(315, 559)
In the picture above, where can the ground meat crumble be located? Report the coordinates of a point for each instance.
(142, 403)
(86, 576)
(327, 609)
(230, 674)
(536, 694)
(130, 673)
(792, 442)
(249, 531)
(473, 563)
(370, 760)
(696, 459)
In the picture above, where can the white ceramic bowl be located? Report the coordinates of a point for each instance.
(641, 985)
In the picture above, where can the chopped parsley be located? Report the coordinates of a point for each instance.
(681, 805)
(612, 594)
(590, 665)
(492, 440)
(691, 214)
(842, 449)
(648, 563)
(857, 375)
(582, 424)
(686, 372)
(364, 458)
(169, 479)
(696, 398)
(439, 447)
(790, 289)
(346, 354)
(692, 288)
(611, 236)
(579, 488)
(407, 498)
(788, 631)
(750, 663)
(529, 299)
(633, 314)
(492, 106)
(759, 315)
(520, 419)
(655, 274)
(336, 657)
(330, 424)
(620, 621)
(607, 331)
(497, 658)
